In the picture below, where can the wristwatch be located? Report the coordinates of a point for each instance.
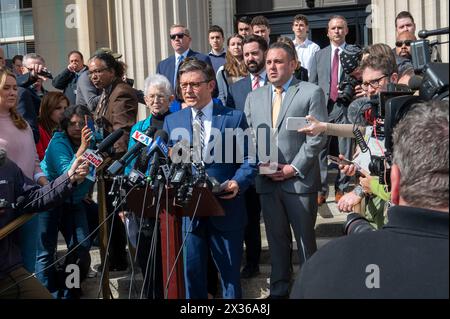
(358, 190)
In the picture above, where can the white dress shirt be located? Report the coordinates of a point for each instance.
(306, 52)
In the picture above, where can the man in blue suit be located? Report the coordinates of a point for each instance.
(255, 50)
(224, 234)
(180, 39)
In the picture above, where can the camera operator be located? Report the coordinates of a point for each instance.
(15, 187)
(416, 263)
(377, 71)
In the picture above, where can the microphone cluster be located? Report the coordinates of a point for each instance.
(157, 166)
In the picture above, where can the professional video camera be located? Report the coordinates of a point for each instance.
(357, 224)
(346, 88)
(388, 108)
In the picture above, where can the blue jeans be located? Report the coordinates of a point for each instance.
(71, 220)
(28, 242)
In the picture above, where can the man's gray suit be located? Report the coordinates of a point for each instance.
(320, 74)
(293, 201)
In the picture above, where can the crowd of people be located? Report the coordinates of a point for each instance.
(252, 83)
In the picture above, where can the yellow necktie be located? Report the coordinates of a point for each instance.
(276, 106)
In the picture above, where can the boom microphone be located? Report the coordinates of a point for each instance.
(425, 33)
(109, 141)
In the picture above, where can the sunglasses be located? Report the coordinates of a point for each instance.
(399, 44)
(178, 35)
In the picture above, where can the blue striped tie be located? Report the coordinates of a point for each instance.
(199, 132)
(179, 60)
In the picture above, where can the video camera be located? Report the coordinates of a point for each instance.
(389, 107)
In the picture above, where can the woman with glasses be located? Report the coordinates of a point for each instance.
(71, 217)
(158, 96)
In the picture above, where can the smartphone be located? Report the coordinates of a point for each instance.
(90, 124)
(269, 169)
(345, 161)
(296, 123)
(339, 161)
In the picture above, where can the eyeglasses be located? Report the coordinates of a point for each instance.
(399, 44)
(178, 35)
(97, 72)
(193, 85)
(375, 84)
(153, 97)
(80, 124)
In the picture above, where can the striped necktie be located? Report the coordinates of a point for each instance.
(179, 60)
(199, 136)
(256, 82)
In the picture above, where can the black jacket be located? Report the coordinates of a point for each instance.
(13, 184)
(67, 81)
(411, 252)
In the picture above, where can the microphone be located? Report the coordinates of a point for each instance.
(415, 82)
(142, 158)
(143, 139)
(103, 149)
(159, 148)
(109, 141)
(425, 33)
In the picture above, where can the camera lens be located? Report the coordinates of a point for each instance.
(357, 224)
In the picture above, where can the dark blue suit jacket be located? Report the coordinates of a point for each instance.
(243, 173)
(238, 93)
(167, 67)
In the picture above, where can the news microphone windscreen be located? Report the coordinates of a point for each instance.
(110, 140)
(162, 135)
(415, 82)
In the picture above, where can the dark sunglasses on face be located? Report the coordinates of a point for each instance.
(399, 44)
(178, 35)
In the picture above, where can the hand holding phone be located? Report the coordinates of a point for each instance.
(296, 123)
(346, 162)
(339, 161)
(268, 168)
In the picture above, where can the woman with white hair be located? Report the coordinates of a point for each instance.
(158, 96)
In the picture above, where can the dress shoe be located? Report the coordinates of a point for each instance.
(321, 199)
(250, 271)
(338, 196)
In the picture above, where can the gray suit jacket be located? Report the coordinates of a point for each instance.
(301, 99)
(320, 74)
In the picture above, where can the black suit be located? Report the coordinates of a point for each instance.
(411, 253)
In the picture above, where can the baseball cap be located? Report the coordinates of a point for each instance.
(350, 58)
(108, 51)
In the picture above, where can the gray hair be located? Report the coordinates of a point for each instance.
(32, 56)
(421, 141)
(159, 81)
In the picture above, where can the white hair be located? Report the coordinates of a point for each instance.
(159, 81)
